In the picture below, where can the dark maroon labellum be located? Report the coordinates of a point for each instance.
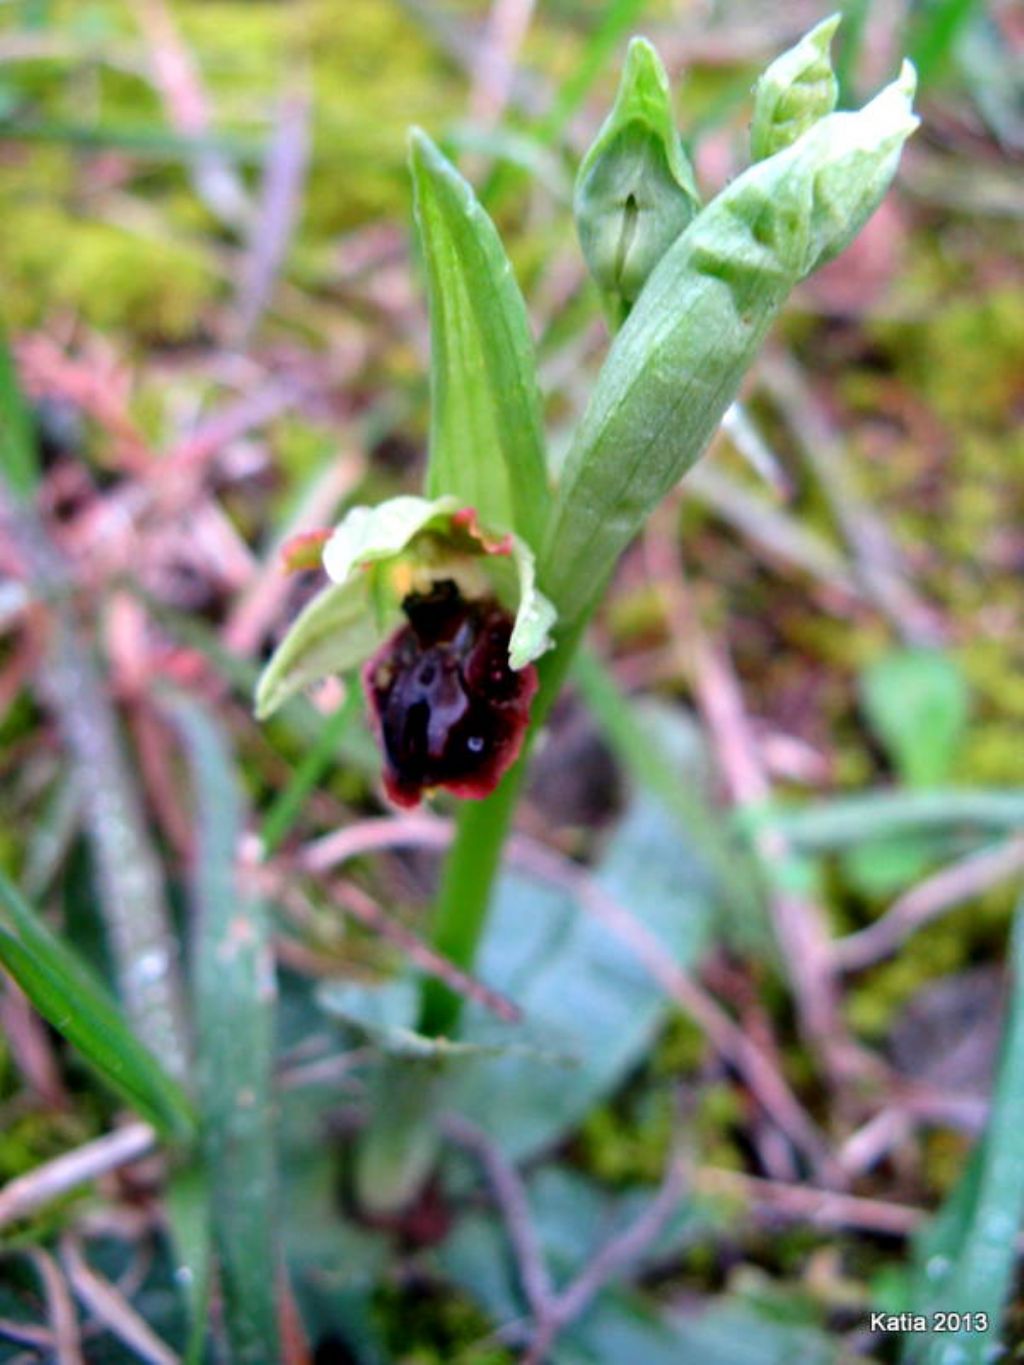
(447, 708)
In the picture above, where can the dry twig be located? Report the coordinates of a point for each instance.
(553, 1310)
(802, 935)
(280, 202)
(175, 76)
(54, 1178)
(67, 1341)
(616, 1254)
(803, 1203)
(363, 908)
(110, 1307)
(30, 1046)
(495, 65)
(510, 1195)
(877, 558)
(951, 886)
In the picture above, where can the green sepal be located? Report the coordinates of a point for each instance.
(535, 616)
(635, 191)
(368, 535)
(332, 634)
(486, 430)
(797, 90)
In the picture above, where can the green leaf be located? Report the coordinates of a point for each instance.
(681, 355)
(581, 991)
(19, 458)
(797, 90)
(66, 994)
(573, 1219)
(234, 1007)
(850, 820)
(486, 434)
(881, 867)
(626, 726)
(917, 703)
(186, 1202)
(635, 191)
(966, 1259)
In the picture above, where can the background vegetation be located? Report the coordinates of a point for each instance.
(768, 859)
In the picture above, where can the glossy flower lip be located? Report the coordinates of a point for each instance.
(448, 710)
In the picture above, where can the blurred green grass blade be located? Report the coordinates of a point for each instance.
(234, 1010)
(186, 1202)
(520, 151)
(618, 19)
(285, 810)
(849, 47)
(19, 458)
(966, 1260)
(486, 435)
(934, 33)
(158, 143)
(65, 993)
(852, 820)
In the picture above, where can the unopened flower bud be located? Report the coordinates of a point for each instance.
(797, 90)
(635, 191)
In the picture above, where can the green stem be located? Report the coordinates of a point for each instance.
(465, 893)
(287, 807)
(474, 858)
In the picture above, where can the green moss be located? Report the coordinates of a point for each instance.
(374, 72)
(637, 614)
(110, 277)
(628, 1144)
(937, 950)
(300, 448)
(967, 357)
(680, 1049)
(944, 1155)
(36, 1135)
(425, 1327)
